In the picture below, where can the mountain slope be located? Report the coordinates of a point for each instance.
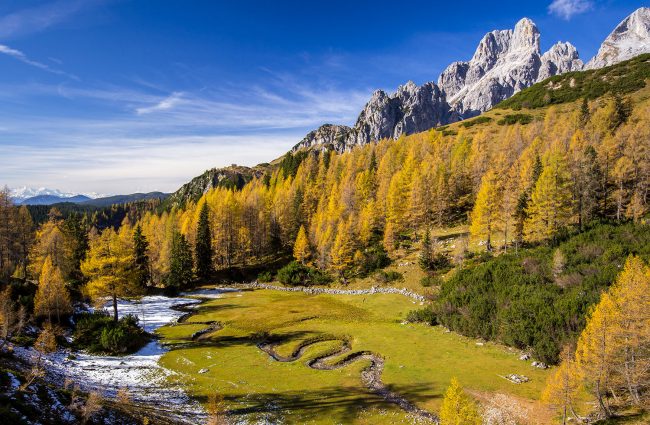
(122, 199)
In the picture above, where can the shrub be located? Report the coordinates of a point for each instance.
(385, 277)
(295, 274)
(435, 261)
(265, 277)
(475, 121)
(522, 119)
(424, 315)
(375, 257)
(515, 298)
(429, 281)
(98, 333)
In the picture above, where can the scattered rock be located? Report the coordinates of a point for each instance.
(203, 370)
(524, 357)
(539, 365)
(517, 379)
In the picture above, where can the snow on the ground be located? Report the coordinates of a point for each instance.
(209, 293)
(140, 373)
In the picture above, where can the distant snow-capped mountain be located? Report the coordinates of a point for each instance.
(20, 194)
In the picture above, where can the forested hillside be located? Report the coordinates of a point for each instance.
(517, 181)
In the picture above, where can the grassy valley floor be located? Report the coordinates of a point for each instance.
(419, 360)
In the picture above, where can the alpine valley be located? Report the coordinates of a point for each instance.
(474, 250)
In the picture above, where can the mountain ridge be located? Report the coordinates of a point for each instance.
(504, 63)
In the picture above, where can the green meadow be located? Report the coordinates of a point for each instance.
(419, 360)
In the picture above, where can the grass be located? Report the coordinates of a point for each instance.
(419, 360)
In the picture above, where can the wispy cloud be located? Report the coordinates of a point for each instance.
(566, 9)
(157, 141)
(42, 17)
(164, 105)
(17, 54)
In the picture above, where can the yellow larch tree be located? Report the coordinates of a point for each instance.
(563, 386)
(107, 267)
(486, 212)
(551, 207)
(458, 408)
(301, 248)
(52, 298)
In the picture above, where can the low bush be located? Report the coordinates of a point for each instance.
(295, 274)
(423, 315)
(265, 277)
(522, 119)
(429, 281)
(390, 276)
(98, 333)
(517, 299)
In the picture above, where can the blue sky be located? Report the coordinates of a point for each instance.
(123, 96)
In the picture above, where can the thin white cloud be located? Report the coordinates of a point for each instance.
(42, 17)
(164, 105)
(17, 54)
(566, 9)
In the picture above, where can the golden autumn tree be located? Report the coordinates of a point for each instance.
(631, 332)
(458, 408)
(107, 266)
(595, 351)
(486, 210)
(563, 386)
(551, 207)
(301, 249)
(52, 297)
(342, 250)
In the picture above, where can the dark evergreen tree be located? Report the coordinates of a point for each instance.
(584, 112)
(141, 269)
(181, 264)
(76, 226)
(203, 246)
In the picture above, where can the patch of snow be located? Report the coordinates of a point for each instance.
(209, 293)
(147, 381)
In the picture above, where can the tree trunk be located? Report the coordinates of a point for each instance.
(114, 307)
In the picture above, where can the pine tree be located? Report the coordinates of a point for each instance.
(203, 245)
(181, 264)
(458, 408)
(141, 267)
(301, 249)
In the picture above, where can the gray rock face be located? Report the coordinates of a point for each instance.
(326, 136)
(629, 39)
(560, 58)
(505, 62)
(410, 109)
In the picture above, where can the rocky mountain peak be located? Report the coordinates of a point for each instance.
(560, 58)
(525, 36)
(504, 62)
(630, 38)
